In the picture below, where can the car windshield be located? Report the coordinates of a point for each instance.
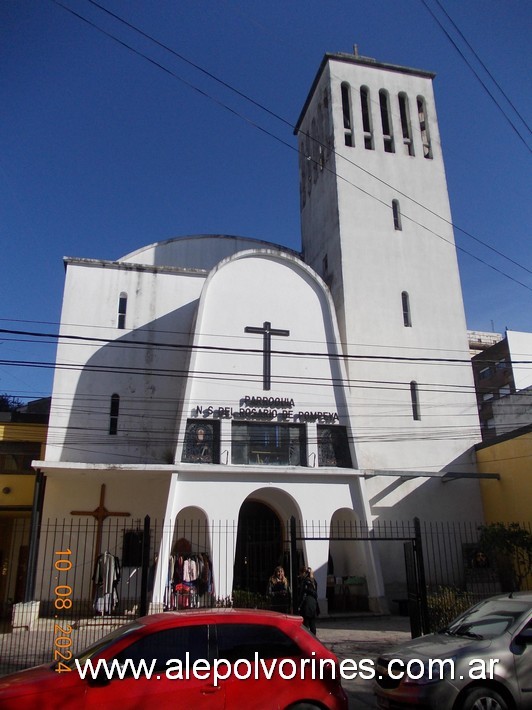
(489, 619)
(102, 643)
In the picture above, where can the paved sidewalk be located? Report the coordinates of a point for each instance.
(359, 637)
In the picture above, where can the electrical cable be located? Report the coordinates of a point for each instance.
(483, 65)
(150, 344)
(254, 124)
(157, 331)
(290, 125)
(451, 40)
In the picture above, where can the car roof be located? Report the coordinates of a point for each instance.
(517, 596)
(224, 615)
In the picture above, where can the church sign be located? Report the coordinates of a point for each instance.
(265, 409)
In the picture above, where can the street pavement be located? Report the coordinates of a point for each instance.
(361, 637)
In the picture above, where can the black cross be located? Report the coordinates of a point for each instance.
(267, 332)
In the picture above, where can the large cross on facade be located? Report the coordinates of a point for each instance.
(100, 513)
(267, 332)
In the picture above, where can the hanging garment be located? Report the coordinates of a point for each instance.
(190, 569)
(106, 577)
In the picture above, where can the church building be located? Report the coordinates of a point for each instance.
(220, 379)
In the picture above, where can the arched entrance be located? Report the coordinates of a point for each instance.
(259, 546)
(346, 580)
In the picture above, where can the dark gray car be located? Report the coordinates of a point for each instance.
(481, 661)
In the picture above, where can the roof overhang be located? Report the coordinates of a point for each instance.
(216, 471)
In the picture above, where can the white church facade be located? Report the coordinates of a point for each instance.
(212, 377)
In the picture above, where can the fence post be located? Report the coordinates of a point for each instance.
(35, 525)
(293, 564)
(145, 567)
(423, 606)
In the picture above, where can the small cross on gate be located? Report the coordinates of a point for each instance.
(267, 332)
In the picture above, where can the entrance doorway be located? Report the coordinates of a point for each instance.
(259, 546)
(14, 537)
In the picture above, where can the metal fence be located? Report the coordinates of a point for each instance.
(87, 578)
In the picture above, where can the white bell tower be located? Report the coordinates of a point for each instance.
(376, 225)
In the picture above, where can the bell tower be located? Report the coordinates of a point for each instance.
(376, 225)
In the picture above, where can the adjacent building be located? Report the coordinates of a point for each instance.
(503, 382)
(22, 439)
(510, 499)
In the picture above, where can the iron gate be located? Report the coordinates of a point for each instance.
(413, 552)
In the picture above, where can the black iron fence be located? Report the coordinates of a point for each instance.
(88, 578)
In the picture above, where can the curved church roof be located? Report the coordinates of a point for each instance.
(200, 251)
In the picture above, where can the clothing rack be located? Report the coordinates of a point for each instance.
(189, 581)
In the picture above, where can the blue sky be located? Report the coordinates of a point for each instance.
(102, 151)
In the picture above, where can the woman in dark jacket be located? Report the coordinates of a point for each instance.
(279, 591)
(308, 598)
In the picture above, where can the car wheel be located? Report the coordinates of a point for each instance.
(304, 706)
(483, 698)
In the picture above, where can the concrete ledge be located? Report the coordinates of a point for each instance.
(25, 615)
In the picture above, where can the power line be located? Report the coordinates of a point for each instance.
(227, 376)
(158, 331)
(483, 65)
(290, 124)
(451, 40)
(137, 343)
(254, 124)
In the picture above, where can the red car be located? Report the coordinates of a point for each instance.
(212, 658)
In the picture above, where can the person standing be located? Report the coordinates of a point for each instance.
(308, 605)
(279, 591)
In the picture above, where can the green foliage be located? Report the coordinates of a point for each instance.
(510, 546)
(242, 599)
(9, 404)
(445, 604)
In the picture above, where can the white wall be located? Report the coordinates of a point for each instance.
(248, 290)
(145, 363)
(520, 347)
(512, 411)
